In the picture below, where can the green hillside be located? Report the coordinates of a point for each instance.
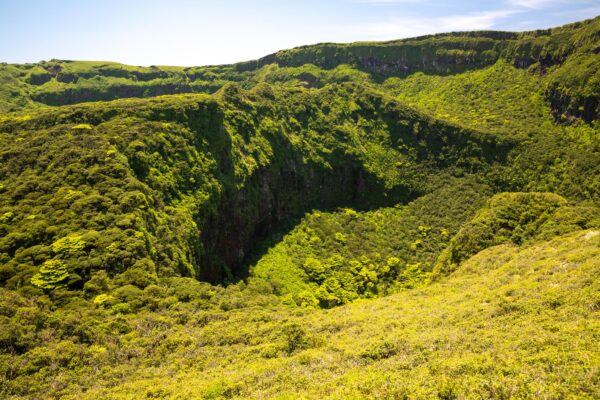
(407, 219)
(512, 322)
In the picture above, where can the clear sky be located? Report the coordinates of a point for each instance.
(201, 32)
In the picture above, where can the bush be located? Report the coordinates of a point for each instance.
(295, 338)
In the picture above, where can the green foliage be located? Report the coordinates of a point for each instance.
(82, 126)
(295, 338)
(512, 218)
(68, 245)
(102, 299)
(52, 275)
(341, 173)
(499, 98)
(380, 351)
(511, 102)
(383, 251)
(137, 186)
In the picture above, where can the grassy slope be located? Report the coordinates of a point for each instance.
(499, 98)
(510, 323)
(511, 102)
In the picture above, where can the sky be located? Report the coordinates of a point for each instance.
(201, 32)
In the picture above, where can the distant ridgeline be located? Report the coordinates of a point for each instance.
(397, 144)
(565, 56)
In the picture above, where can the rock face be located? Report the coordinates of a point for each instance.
(400, 58)
(565, 106)
(77, 94)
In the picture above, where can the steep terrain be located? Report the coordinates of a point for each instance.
(409, 219)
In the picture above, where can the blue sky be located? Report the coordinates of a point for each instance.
(186, 32)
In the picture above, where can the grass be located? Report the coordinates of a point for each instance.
(510, 323)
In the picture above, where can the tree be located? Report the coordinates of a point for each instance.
(52, 274)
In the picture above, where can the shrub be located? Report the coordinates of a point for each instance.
(380, 351)
(295, 338)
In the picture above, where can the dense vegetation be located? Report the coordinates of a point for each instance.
(409, 219)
